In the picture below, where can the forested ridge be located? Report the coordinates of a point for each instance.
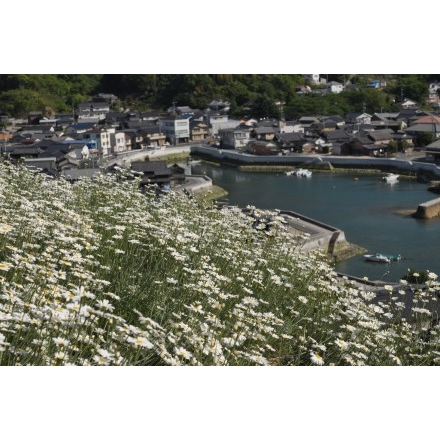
(249, 94)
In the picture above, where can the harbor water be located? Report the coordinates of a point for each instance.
(372, 213)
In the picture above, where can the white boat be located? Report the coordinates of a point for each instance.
(390, 178)
(382, 258)
(289, 173)
(301, 172)
(378, 258)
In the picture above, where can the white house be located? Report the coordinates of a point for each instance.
(92, 109)
(291, 127)
(101, 138)
(359, 118)
(334, 87)
(236, 138)
(175, 128)
(312, 77)
(117, 142)
(218, 121)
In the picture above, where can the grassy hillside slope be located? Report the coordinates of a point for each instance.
(97, 273)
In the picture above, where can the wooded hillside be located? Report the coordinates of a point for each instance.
(249, 94)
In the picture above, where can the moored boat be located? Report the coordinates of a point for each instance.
(377, 258)
(301, 172)
(390, 178)
(382, 258)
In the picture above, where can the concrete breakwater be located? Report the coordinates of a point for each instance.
(318, 236)
(428, 209)
(321, 236)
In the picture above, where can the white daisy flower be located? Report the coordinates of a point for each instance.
(316, 359)
(105, 304)
(61, 342)
(140, 342)
(341, 344)
(182, 353)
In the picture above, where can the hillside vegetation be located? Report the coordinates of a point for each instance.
(97, 273)
(249, 94)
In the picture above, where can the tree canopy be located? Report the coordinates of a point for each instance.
(254, 95)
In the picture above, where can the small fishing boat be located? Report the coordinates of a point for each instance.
(377, 258)
(382, 258)
(289, 173)
(301, 172)
(390, 178)
(393, 257)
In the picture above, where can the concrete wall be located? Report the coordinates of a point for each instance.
(194, 183)
(138, 155)
(249, 159)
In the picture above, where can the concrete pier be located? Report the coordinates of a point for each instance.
(428, 209)
(320, 236)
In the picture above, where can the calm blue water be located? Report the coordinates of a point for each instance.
(366, 210)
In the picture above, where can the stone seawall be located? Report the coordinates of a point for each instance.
(233, 157)
(428, 209)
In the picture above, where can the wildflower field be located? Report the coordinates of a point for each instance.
(99, 273)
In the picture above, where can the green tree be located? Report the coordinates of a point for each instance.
(392, 147)
(402, 145)
(20, 102)
(413, 87)
(265, 107)
(424, 139)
